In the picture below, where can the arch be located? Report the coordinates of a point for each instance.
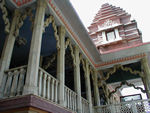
(128, 84)
(124, 69)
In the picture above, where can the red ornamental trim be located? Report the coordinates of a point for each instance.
(121, 60)
(21, 2)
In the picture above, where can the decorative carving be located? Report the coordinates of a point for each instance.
(21, 41)
(49, 61)
(135, 72)
(31, 18)
(72, 53)
(20, 22)
(56, 33)
(128, 84)
(47, 22)
(106, 91)
(92, 72)
(108, 23)
(5, 16)
(83, 63)
(68, 43)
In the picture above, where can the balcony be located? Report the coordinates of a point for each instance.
(14, 81)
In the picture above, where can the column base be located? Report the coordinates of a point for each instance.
(30, 90)
(79, 110)
(62, 103)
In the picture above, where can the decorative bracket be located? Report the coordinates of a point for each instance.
(49, 61)
(49, 20)
(124, 69)
(5, 16)
(68, 44)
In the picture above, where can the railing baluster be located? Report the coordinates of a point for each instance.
(72, 98)
(13, 81)
(40, 82)
(21, 81)
(4, 82)
(65, 98)
(85, 106)
(52, 90)
(48, 87)
(8, 84)
(13, 90)
(56, 85)
(44, 85)
(82, 106)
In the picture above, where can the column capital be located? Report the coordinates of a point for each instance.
(61, 30)
(87, 62)
(76, 47)
(77, 56)
(41, 3)
(144, 59)
(95, 71)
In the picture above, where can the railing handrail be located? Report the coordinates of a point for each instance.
(134, 101)
(84, 100)
(48, 74)
(16, 68)
(70, 90)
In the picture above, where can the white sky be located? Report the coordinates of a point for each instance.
(139, 10)
(131, 91)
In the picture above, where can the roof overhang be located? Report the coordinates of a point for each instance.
(124, 56)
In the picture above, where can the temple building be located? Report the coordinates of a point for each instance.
(49, 63)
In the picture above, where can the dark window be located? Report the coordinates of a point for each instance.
(110, 35)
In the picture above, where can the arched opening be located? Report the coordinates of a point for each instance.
(48, 57)
(92, 89)
(69, 69)
(22, 45)
(82, 77)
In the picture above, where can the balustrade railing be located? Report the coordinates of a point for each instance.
(70, 99)
(48, 86)
(85, 106)
(140, 106)
(14, 81)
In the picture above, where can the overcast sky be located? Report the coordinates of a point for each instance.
(139, 10)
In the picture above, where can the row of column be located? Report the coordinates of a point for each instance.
(34, 58)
